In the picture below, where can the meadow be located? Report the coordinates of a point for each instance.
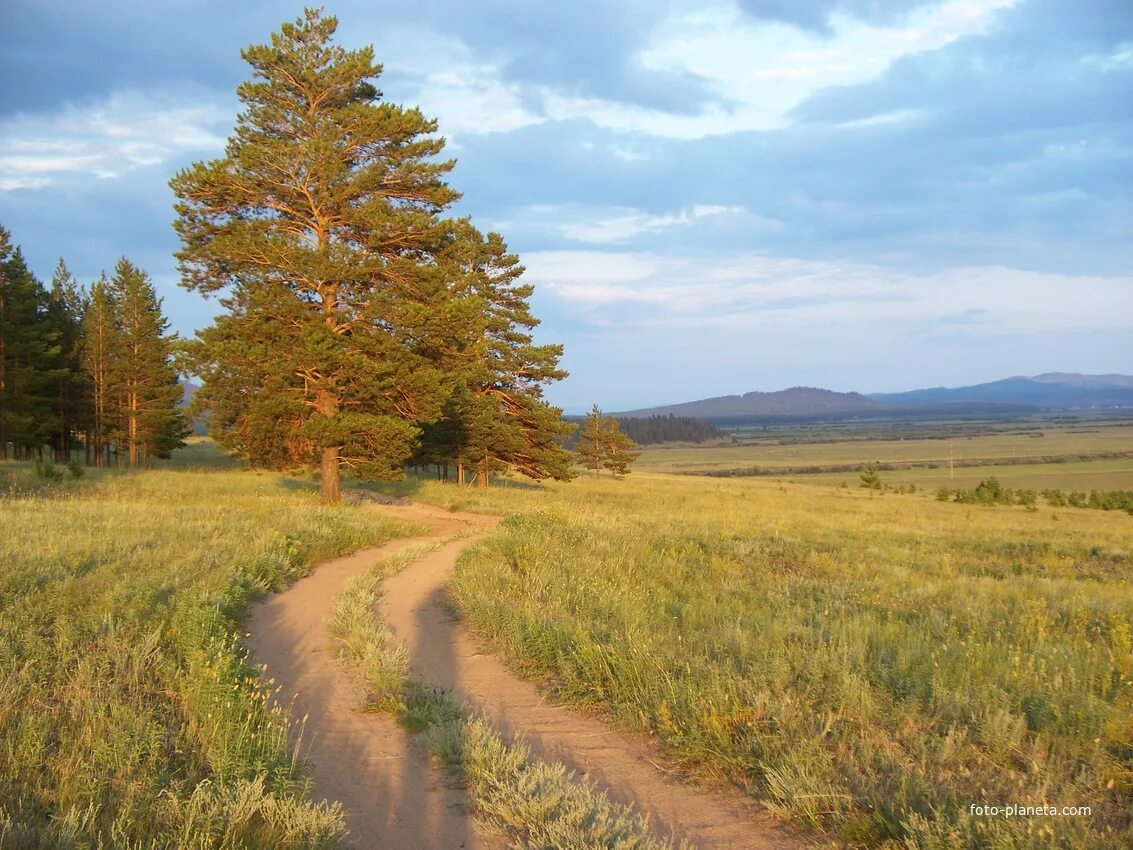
(1078, 454)
(870, 666)
(128, 714)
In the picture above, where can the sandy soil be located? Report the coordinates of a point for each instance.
(394, 796)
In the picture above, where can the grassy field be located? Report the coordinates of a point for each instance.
(1037, 455)
(869, 666)
(1105, 474)
(128, 717)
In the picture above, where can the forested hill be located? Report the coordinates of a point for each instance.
(652, 430)
(668, 429)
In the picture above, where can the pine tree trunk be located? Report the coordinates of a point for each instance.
(328, 403)
(331, 482)
(330, 466)
(133, 430)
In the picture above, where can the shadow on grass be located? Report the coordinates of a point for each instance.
(395, 489)
(200, 454)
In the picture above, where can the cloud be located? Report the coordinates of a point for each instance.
(587, 50)
(815, 15)
(816, 188)
(107, 139)
(914, 192)
(753, 290)
(1043, 64)
(762, 70)
(600, 225)
(71, 51)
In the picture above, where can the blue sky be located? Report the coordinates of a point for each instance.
(711, 197)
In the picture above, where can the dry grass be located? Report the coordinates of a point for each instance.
(128, 717)
(793, 449)
(869, 666)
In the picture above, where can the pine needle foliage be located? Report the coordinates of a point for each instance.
(30, 364)
(321, 228)
(602, 445)
(496, 420)
(142, 371)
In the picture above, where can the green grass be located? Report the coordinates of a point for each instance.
(128, 717)
(867, 666)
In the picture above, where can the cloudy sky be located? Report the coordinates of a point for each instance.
(711, 197)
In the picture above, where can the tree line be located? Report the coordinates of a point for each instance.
(992, 492)
(86, 373)
(651, 430)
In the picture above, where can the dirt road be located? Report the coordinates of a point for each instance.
(393, 795)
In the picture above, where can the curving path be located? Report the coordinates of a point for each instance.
(394, 796)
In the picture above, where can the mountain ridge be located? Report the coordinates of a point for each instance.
(1017, 394)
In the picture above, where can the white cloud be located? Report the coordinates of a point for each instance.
(758, 292)
(465, 92)
(605, 225)
(107, 139)
(472, 100)
(624, 226)
(765, 69)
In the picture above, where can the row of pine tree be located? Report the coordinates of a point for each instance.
(652, 430)
(86, 374)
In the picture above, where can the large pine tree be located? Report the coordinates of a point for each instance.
(321, 227)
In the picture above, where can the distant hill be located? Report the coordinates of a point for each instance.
(1010, 396)
(1075, 379)
(188, 390)
(797, 402)
(1052, 390)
